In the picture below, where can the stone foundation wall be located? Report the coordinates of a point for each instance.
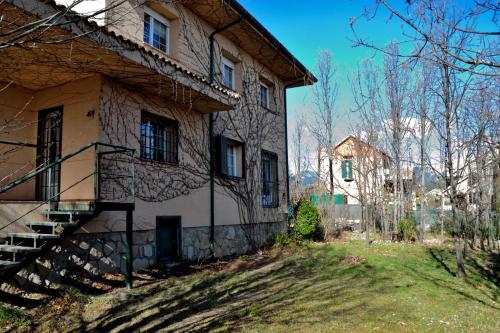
(98, 253)
(229, 239)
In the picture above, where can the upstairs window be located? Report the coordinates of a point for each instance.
(269, 179)
(227, 72)
(231, 157)
(264, 95)
(156, 30)
(159, 138)
(231, 160)
(347, 170)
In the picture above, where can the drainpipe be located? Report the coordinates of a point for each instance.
(212, 134)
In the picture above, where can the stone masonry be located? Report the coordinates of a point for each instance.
(98, 253)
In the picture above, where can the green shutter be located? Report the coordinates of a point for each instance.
(349, 166)
(339, 199)
(344, 170)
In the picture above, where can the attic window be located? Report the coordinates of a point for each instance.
(264, 95)
(228, 74)
(156, 30)
(347, 170)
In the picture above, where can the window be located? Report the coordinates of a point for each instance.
(231, 160)
(159, 138)
(227, 72)
(231, 157)
(264, 96)
(269, 179)
(156, 30)
(347, 170)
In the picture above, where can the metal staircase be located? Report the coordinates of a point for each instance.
(22, 248)
(114, 190)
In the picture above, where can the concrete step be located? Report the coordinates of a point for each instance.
(33, 235)
(52, 224)
(18, 249)
(69, 212)
(75, 205)
(8, 264)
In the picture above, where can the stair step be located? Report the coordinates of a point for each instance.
(70, 212)
(52, 224)
(33, 235)
(17, 248)
(8, 264)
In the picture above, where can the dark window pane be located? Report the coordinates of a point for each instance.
(269, 180)
(158, 138)
(147, 28)
(264, 96)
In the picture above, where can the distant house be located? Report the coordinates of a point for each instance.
(359, 169)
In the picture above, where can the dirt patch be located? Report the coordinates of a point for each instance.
(353, 260)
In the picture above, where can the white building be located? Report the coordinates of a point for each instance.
(359, 171)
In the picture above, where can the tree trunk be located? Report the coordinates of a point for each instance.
(330, 173)
(423, 210)
(451, 172)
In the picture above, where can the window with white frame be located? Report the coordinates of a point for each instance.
(156, 30)
(228, 74)
(230, 157)
(264, 95)
(269, 179)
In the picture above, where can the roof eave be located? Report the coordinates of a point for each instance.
(240, 10)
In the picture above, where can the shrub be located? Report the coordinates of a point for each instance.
(282, 239)
(307, 220)
(407, 229)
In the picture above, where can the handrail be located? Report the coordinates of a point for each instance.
(47, 201)
(59, 161)
(18, 143)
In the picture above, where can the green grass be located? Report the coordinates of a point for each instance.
(317, 288)
(14, 318)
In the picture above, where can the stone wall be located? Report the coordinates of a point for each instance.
(97, 253)
(229, 239)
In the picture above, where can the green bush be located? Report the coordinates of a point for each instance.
(307, 220)
(282, 239)
(407, 229)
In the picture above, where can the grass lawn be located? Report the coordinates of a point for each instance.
(334, 287)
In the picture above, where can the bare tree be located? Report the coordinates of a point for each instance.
(325, 95)
(301, 153)
(422, 102)
(21, 32)
(480, 55)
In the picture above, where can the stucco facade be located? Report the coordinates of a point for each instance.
(107, 102)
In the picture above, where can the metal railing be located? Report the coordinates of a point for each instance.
(113, 174)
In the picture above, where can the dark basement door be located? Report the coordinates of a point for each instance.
(168, 239)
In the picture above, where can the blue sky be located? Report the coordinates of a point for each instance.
(306, 27)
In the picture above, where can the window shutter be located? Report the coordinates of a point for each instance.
(349, 165)
(243, 161)
(222, 156)
(344, 169)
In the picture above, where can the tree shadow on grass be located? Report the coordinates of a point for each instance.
(439, 256)
(311, 288)
(474, 267)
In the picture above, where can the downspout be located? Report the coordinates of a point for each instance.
(212, 134)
